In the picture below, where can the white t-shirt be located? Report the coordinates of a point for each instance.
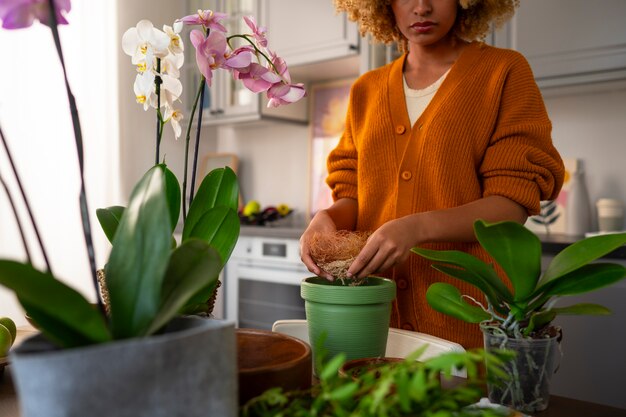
(417, 100)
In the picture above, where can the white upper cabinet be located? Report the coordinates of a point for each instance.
(569, 42)
(308, 31)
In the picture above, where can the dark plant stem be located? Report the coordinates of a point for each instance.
(196, 148)
(157, 82)
(17, 219)
(26, 203)
(187, 139)
(84, 210)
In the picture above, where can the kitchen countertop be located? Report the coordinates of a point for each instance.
(551, 244)
(273, 231)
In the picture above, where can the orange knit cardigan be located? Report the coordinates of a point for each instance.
(485, 132)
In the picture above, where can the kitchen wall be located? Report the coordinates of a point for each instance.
(588, 123)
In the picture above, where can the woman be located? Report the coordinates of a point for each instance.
(452, 131)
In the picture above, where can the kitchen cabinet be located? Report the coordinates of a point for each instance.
(227, 100)
(305, 31)
(569, 42)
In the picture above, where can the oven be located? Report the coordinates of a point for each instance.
(262, 282)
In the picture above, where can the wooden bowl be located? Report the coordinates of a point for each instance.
(268, 359)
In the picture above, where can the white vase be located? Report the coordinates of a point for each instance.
(578, 217)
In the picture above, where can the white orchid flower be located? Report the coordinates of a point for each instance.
(174, 116)
(171, 89)
(145, 41)
(144, 89)
(171, 64)
(176, 45)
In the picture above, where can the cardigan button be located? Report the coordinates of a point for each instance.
(402, 284)
(406, 175)
(400, 129)
(407, 326)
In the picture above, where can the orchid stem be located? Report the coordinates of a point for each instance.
(187, 139)
(196, 148)
(17, 219)
(84, 211)
(157, 82)
(26, 203)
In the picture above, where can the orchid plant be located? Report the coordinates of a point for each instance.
(150, 278)
(158, 57)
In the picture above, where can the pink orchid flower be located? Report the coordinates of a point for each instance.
(207, 18)
(283, 93)
(17, 14)
(257, 78)
(209, 52)
(240, 58)
(258, 32)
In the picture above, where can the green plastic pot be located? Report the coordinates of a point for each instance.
(351, 319)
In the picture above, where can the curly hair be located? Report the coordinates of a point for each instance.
(473, 21)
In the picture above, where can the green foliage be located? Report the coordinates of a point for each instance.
(149, 283)
(65, 316)
(212, 218)
(408, 388)
(518, 251)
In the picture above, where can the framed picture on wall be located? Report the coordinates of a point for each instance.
(329, 104)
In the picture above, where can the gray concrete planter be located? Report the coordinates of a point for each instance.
(190, 370)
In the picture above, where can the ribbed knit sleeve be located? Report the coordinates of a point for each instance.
(342, 165)
(520, 162)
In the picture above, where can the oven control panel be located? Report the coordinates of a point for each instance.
(267, 249)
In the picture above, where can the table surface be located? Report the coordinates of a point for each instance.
(558, 407)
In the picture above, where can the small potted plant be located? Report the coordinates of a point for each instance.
(405, 388)
(522, 319)
(353, 315)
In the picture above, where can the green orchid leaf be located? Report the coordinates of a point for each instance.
(219, 188)
(173, 195)
(539, 320)
(193, 266)
(55, 330)
(516, 249)
(585, 279)
(581, 253)
(447, 299)
(139, 258)
(109, 219)
(63, 314)
(476, 280)
(220, 228)
(586, 309)
(545, 317)
(488, 275)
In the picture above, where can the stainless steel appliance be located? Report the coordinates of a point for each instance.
(262, 282)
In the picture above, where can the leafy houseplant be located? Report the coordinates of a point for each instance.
(407, 388)
(141, 348)
(522, 319)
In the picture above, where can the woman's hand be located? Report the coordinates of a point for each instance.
(386, 247)
(321, 222)
(341, 215)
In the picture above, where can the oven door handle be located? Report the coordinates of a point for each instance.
(272, 274)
